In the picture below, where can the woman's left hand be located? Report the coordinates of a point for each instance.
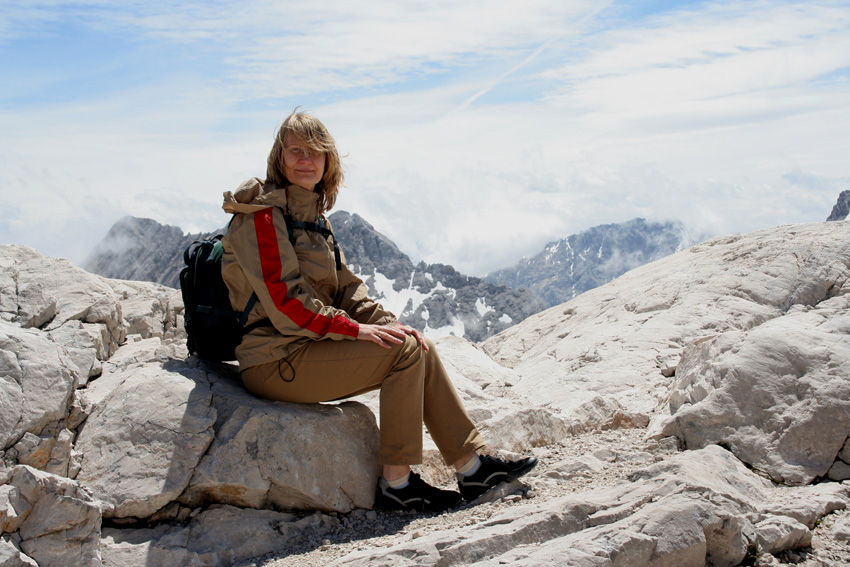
(420, 338)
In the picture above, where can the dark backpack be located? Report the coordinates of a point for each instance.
(213, 328)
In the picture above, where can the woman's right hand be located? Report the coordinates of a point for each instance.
(382, 335)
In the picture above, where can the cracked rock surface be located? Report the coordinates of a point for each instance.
(692, 412)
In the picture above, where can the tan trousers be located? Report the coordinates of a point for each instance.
(415, 388)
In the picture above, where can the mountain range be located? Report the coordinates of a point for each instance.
(433, 297)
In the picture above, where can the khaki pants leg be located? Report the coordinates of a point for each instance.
(414, 389)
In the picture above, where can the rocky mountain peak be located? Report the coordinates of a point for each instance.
(367, 251)
(583, 261)
(141, 249)
(841, 208)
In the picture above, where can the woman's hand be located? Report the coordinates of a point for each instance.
(420, 338)
(382, 335)
(388, 335)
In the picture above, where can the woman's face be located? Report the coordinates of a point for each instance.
(300, 165)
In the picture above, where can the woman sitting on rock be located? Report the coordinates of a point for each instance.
(326, 339)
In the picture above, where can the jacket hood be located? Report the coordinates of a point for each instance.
(254, 195)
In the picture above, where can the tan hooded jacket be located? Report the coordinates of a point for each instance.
(299, 288)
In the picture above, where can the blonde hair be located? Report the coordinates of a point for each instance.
(318, 139)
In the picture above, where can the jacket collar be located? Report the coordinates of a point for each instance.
(254, 195)
(302, 204)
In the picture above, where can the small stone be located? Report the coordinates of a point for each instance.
(605, 455)
(841, 530)
(668, 445)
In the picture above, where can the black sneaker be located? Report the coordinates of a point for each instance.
(417, 495)
(491, 472)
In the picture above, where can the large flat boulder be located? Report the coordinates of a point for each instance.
(287, 456)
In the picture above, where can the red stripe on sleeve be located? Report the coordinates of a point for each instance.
(291, 307)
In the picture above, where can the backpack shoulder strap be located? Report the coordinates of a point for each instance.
(320, 227)
(323, 223)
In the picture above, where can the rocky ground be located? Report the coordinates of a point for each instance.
(621, 452)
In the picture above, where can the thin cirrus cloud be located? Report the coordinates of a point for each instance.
(705, 56)
(492, 127)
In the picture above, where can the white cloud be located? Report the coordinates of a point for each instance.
(475, 132)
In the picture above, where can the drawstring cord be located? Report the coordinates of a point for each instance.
(280, 372)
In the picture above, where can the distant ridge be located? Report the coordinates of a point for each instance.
(581, 262)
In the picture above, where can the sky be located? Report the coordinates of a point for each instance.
(473, 133)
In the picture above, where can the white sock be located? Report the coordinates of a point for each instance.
(400, 482)
(470, 467)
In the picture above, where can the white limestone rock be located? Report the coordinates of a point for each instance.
(807, 504)
(60, 521)
(37, 379)
(689, 510)
(142, 441)
(11, 556)
(13, 507)
(73, 293)
(150, 309)
(777, 395)
(87, 345)
(587, 465)
(780, 533)
(623, 340)
(839, 471)
(287, 456)
(79, 311)
(34, 451)
(508, 422)
(841, 530)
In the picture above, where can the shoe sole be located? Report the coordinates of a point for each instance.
(509, 477)
(418, 505)
(390, 502)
